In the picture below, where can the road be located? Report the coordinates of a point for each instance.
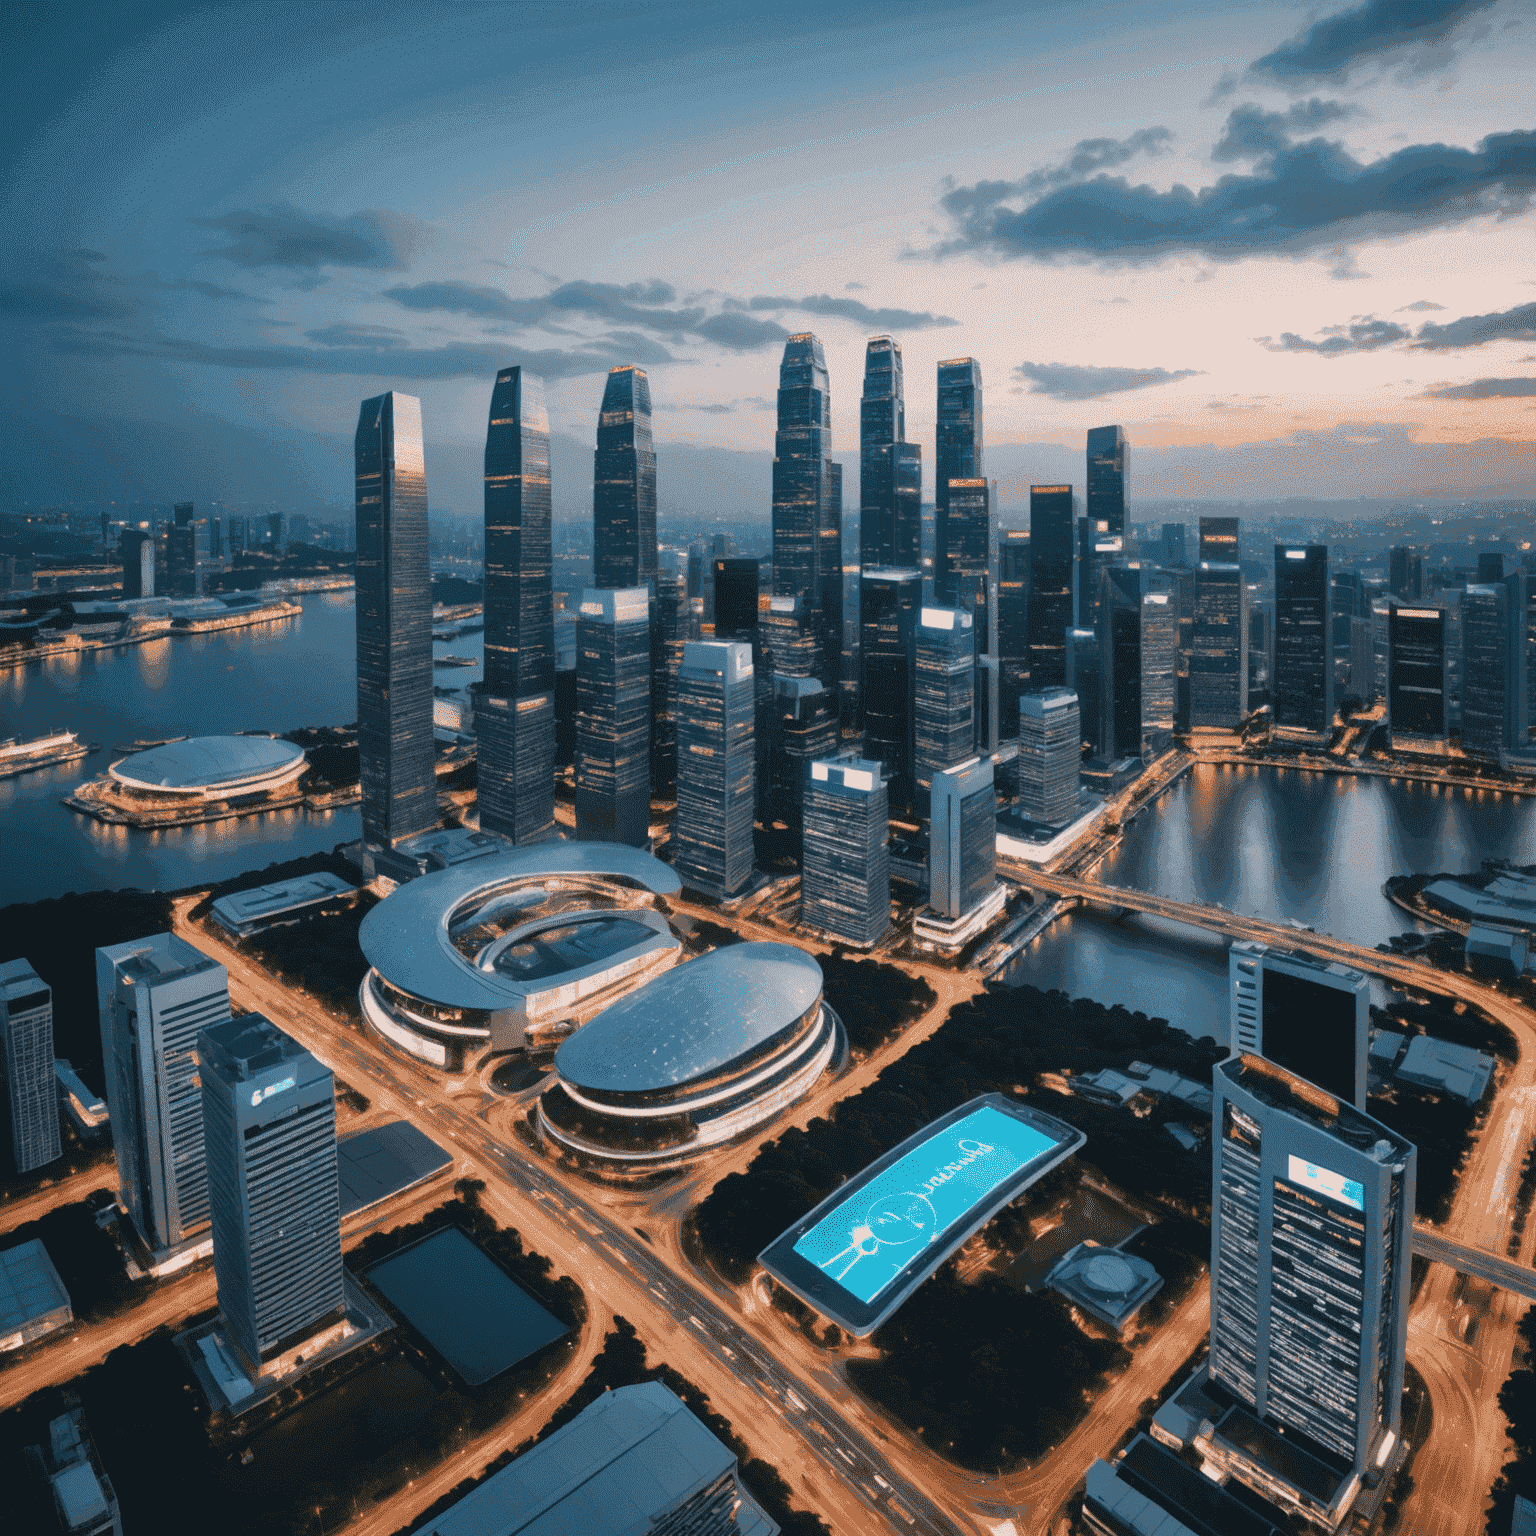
(48, 1197)
(1504, 1273)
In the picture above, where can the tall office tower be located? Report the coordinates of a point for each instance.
(394, 623)
(829, 620)
(1050, 756)
(515, 704)
(215, 538)
(624, 484)
(1493, 691)
(943, 696)
(889, 525)
(1346, 602)
(183, 513)
(669, 617)
(966, 567)
(1051, 531)
(804, 729)
(238, 535)
(958, 456)
(1405, 573)
(1120, 663)
(1013, 576)
(136, 550)
(1311, 1221)
(26, 1023)
(1303, 682)
(736, 593)
(613, 717)
(155, 994)
(962, 837)
(988, 708)
(1109, 464)
(712, 833)
(1362, 661)
(851, 684)
(1261, 645)
(1182, 590)
(1308, 1016)
(697, 561)
(269, 1118)
(845, 861)
(784, 632)
(1173, 545)
(1218, 667)
(565, 689)
(1416, 692)
(1085, 679)
(890, 604)
(187, 551)
(1159, 665)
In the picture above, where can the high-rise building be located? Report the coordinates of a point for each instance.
(515, 704)
(845, 863)
(1051, 536)
(1311, 1227)
(624, 484)
(1303, 684)
(1120, 663)
(26, 1053)
(1159, 663)
(1261, 645)
(804, 729)
(1494, 691)
(988, 708)
(736, 593)
(1109, 464)
(962, 539)
(944, 696)
(269, 1120)
(1416, 692)
(1218, 669)
(1173, 545)
(1013, 579)
(697, 563)
(890, 603)
(1405, 574)
(965, 560)
(669, 620)
(1308, 1016)
(1050, 756)
(851, 684)
(1218, 540)
(785, 636)
(1347, 601)
(565, 689)
(889, 529)
(962, 838)
(712, 832)
(613, 717)
(136, 549)
(155, 995)
(1085, 679)
(397, 757)
(187, 552)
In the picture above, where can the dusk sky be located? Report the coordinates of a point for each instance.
(1273, 242)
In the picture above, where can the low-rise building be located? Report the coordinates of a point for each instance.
(1456, 1070)
(33, 1300)
(244, 912)
(1106, 1284)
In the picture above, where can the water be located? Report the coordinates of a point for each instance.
(270, 677)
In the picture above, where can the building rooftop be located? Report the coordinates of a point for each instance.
(1453, 1069)
(1282, 1090)
(1156, 1493)
(1109, 1285)
(244, 910)
(249, 1047)
(29, 1286)
(374, 1164)
(204, 761)
(693, 1021)
(19, 982)
(157, 957)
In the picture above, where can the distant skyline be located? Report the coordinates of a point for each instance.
(1288, 250)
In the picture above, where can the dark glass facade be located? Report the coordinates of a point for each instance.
(624, 485)
(958, 455)
(394, 623)
(962, 837)
(669, 620)
(188, 549)
(1120, 663)
(889, 502)
(1052, 532)
(736, 592)
(1109, 463)
(1218, 540)
(889, 607)
(1485, 617)
(515, 704)
(1013, 578)
(1174, 535)
(1416, 671)
(1405, 573)
(1218, 667)
(613, 717)
(965, 560)
(804, 729)
(784, 635)
(712, 833)
(1302, 687)
(944, 697)
(1083, 678)
(845, 866)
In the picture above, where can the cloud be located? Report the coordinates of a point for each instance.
(1308, 197)
(1364, 335)
(1486, 389)
(643, 306)
(455, 298)
(1223, 89)
(741, 333)
(1418, 308)
(1069, 381)
(1376, 32)
(280, 235)
(345, 335)
(851, 309)
(855, 287)
(1254, 134)
(1517, 324)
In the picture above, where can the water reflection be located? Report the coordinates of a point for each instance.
(155, 662)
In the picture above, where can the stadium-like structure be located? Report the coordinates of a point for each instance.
(234, 769)
(514, 950)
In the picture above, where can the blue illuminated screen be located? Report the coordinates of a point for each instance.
(867, 1240)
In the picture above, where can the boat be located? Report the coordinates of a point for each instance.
(17, 757)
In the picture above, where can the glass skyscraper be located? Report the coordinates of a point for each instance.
(1302, 687)
(1109, 462)
(397, 758)
(1159, 664)
(803, 729)
(965, 558)
(1494, 689)
(958, 455)
(712, 833)
(624, 484)
(889, 605)
(613, 717)
(962, 837)
(736, 593)
(1120, 663)
(1218, 666)
(669, 620)
(1013, 577)
(1416, 702)
(845, 865)
(26, 1025)
(1052, 531)
(1084, 679)
(944, 697)
(1050, 756)
(515, 704)
(890, 468)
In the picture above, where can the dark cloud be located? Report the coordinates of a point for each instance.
(456, 298)
(1308, 197)
(851, 309)
(1223, 89)
(855, 287)
(1364, 335)
(283, 236)
(1070, 381)
(1254, 134)
(345, 335)
(1475, 330)
(1486, 389)
(1418, 308)
(641, 305)
(741, 333)
(1376, 32)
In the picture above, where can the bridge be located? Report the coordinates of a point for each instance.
(1504, 1273)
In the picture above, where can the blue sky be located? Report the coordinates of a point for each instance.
(1254, 234)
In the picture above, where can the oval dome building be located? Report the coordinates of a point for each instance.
(225, 768)
(695, 1058)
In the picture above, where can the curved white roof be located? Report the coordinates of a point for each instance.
(205, 761)
(405, 938)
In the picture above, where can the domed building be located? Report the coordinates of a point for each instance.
(238, 770)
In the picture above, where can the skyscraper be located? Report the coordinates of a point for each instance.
(1218, 668)
(1405, 573)
(269, 1120)
(624, 484)
(613, 717)
(669, 619)
(187, 552)
(26, 1052)
(944, 696)
(1013, 578)
(965, 562)
(1085, 679)
(1416, 702)
(1173, 544)
(962, 840)
(1051, 533)
(1120, 663)
(155, 995)
(712, 832)
(1050, 756)
(1159, 663)
(1494, 690)
(784, 635)
(845, 864)
(136, 550)
(1218, 540)
(1303, 684)
(515, 704)
(394, 624)
(1109, 462)
(804, 729)
(890, 602)
(889, 531)
(958, 455)
(736, 593)
(1311, 1213)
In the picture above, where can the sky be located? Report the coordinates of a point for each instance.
(1289, 249)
